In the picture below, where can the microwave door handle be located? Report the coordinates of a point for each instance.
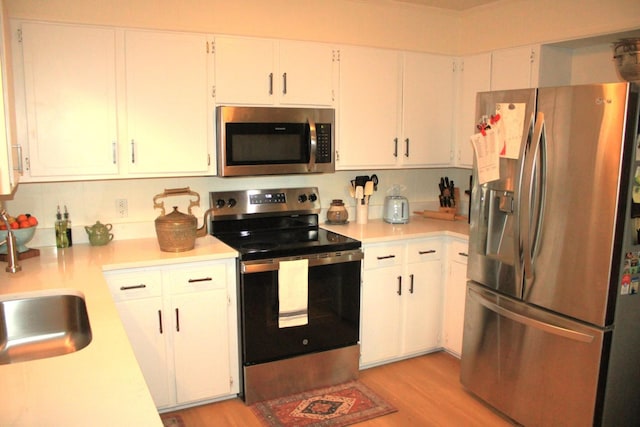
(313, 141)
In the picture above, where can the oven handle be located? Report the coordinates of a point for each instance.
(315, 260)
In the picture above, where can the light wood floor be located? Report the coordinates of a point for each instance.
(426, 391)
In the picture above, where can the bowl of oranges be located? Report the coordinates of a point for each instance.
(23, 227)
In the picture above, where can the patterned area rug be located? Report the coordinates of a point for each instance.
(340, 405)
(171, 421)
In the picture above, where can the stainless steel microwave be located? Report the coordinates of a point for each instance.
(274, 141)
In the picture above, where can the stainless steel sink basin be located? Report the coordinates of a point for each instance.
(42, 324)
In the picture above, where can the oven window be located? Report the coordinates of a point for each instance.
(267, 143)
(333, 312)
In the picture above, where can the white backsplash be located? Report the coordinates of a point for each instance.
(91, 201)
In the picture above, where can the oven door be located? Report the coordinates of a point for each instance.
(333, 307)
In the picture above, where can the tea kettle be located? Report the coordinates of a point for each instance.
(176, 231)
(99, 234)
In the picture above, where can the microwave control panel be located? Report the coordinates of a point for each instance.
(323, 135)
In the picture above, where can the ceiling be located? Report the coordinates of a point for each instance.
(450, 4)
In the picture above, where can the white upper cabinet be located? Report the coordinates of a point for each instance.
(427, 110)
(169, 107)
(370, 94)
(70, 100)
(396, 109)
(252, 71)
(474, 77)
(530, 66)
(112, 103)
(10, 162)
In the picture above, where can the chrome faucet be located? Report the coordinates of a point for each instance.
(12, 249)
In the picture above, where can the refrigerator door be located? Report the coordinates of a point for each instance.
(536, 367)
(570, 200)
(495, 258)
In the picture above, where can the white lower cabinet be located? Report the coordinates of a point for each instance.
(454, 296)
(401, 300)
(182, 324)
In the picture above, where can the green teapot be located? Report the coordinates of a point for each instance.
(99, 234)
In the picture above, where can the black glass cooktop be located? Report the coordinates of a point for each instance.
(280, 237)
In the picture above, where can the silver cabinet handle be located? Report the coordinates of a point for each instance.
(270, 83)
(284, 83)
(160, 320)
(177, 320)
(406, 147)
(411, 284)
(386, 257)
(133, 151)
(19, 154)
(113, 152)
(429, 251)
(395, 147)
(399, 285)
(463, 254)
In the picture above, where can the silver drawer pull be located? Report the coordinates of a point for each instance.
(386, 257)
(430, 251)
(204, 279)
(463, 254)
(126, 288)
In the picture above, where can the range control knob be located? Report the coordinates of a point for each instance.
(302, 198)
(220, 203)
(313, 197)
(232, 202)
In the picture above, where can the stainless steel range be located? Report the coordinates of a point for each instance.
(298, 287)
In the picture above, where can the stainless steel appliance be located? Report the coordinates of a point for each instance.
(275, 231)
(271, 140)
(552, 316)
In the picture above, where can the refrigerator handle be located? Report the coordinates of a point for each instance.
(529, 321)
(520, 234)
(534, 193)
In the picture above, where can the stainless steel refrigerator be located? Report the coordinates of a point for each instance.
(552, 311)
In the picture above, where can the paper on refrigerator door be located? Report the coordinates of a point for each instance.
(511, 126)
(487, 153)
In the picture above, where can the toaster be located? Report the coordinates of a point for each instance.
(396, 210)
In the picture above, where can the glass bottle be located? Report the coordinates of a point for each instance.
(68, 226)
(62, 241)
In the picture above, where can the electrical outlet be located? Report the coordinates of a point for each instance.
(122, 208)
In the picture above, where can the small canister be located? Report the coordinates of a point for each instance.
(337, 213)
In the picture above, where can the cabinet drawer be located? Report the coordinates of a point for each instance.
(382, 256)
(197, 278)
(134, 285)
(458, 251)
(425, 250)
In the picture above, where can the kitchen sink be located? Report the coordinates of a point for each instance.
(42, 324)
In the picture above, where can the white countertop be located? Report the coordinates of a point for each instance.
(377, 230)
(100, 385)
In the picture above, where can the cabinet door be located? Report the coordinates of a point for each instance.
(167, 102)
(475, 77)
(427, 110)
(454, 300)
(199, 307)
(70, 91)
(380, 338)
(305, 73)
(512, 68)
(369, 108)
(244, 71)
(147, 328)
(423, 297)
(9, 153)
